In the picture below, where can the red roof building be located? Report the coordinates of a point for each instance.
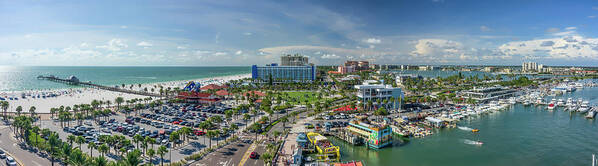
(258, 93)
(213, 86)
(222, 93)
(198, 97)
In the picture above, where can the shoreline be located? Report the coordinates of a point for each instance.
(72, 96)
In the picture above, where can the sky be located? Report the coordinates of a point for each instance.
(246, 32)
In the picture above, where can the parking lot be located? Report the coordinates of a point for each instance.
(155, 123)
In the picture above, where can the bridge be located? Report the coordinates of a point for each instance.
(72, 80)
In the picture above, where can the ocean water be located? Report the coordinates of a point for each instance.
(20, 78)
(522, 135)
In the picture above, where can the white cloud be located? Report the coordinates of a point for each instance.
(114, 45)
(562, 48)
(330, 56)
(181, 47)
(84, 44)
(571, 28)
(144, 44)
(592, 16)
(238, 52)
(220, 53)
(595, 7)
(484, 28)
(372, 46)
(123, 27)
(247, 33)
(372, 41)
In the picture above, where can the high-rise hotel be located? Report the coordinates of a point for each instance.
(293, 68)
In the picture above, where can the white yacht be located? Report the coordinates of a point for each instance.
(584, 107)
(591, 114)
(560, 102)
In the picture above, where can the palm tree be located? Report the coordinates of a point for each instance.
(118, 101)
(161, 151)
(91, 145)
(267, 157)
(234, 128)
(4, 105)
(210, 135)
(66, 151)
(132, 158)
(77, 158)
(53, 141)
(19, 109)
(71, 139)
(137, 138)
(100, 161)
(150, 153)
(103, 149)
(80, 140)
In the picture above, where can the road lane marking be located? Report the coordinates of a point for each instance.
(247, 153)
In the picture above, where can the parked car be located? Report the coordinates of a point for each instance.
(10, 161)
(2, 154)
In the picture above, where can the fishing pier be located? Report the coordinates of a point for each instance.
(72, 80)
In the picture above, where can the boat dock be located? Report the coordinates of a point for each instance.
(72, 80)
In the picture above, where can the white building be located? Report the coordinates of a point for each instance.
(369, 90)
(532, 67)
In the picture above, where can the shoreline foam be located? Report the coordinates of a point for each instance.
(69, 97)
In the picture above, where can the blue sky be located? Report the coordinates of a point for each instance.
(214, 33)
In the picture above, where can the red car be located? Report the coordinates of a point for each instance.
(199, 132)
(253, 155)
(175, 122)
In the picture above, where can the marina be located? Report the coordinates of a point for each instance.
(523, 133)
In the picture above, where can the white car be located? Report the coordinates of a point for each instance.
(2, 154)
(10, 161)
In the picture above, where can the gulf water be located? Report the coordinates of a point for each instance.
(521, 135)
(21, 78)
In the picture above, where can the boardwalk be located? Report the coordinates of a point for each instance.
(74, 81)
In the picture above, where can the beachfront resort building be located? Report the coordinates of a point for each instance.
(372, 90)
(358, 65)
(486, 94)
(285, 73)
(293, 60)
(376, 135)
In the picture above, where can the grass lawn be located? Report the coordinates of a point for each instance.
(296, 97)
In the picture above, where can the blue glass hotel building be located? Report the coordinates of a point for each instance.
(292, 72)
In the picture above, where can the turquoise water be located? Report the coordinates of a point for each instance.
(14, 78)
(523, 135)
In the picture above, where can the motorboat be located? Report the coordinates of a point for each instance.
(584, 107)
(526, 103)
(591, 114)
(560, 102)
(551, 106)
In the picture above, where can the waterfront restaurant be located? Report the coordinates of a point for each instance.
(198, 97)
(376, 135)
(370, 90)
(487, 94)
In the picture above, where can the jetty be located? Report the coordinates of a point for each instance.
(73, 80)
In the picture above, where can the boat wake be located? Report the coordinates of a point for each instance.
(464, 128)
(471, 142)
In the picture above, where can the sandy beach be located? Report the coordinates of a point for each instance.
(69, 97)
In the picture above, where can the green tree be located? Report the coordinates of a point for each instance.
(161, 151)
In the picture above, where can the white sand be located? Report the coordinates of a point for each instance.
(69, 97)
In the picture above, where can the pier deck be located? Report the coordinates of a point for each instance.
(75, 81)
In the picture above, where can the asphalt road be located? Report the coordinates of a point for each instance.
(22, 154)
